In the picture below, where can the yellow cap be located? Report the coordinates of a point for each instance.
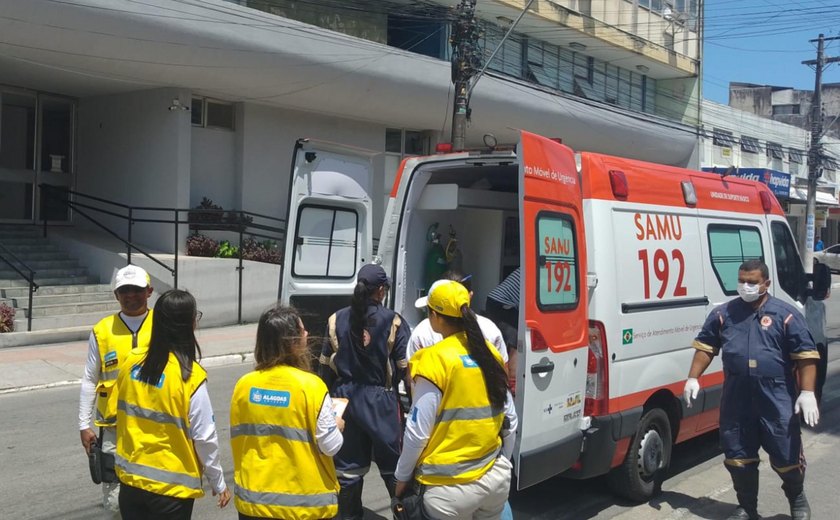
(448, 297)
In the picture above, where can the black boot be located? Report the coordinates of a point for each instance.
(745, 481)
(793, 486)
(799, 508)
(350, 501)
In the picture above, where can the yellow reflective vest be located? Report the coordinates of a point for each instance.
(465, 440)
(115, 340)
(154, 449)
(278, 468)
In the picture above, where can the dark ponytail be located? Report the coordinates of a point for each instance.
(495, 377)
(358, 313)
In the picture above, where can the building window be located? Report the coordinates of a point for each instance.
(795, 155)
(210, 113)
(723, 138)
(774, 151)
(401, 143)
(782, 110)
(750, 144)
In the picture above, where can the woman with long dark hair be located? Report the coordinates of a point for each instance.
(166, 435)
(283, 430)
(458, 440)
(363, 360)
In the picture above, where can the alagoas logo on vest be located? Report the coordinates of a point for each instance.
(468, 361)
(111, 359)
(135, 375)
(265, 397)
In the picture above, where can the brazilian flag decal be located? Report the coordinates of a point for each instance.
(627, 336)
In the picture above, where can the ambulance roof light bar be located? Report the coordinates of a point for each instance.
(766, 201)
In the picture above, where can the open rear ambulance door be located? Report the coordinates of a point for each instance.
(328, 228)
(553, 351)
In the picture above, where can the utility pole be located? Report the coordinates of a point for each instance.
(465, 63)
(815, 151)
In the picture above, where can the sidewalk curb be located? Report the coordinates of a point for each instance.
(211, 361)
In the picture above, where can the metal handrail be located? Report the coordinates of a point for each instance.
(239, 225)
(31, 279)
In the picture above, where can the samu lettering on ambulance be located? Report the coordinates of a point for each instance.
(658, 227)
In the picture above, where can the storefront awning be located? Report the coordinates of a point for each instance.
(778, 182)
(823, 199)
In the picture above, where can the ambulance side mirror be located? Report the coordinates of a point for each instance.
(820, 282)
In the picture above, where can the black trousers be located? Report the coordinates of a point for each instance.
(138, 504)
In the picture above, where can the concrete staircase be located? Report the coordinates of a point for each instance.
(67, 296)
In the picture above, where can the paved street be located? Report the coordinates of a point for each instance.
(45, 474)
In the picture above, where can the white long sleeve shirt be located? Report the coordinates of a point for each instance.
(87, 394)
(421, 423)
(327, 434)
(204, 437)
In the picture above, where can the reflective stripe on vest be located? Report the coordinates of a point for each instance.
(279, 471)
(109, 376)
(159, 475)
(287, 432)
(466, 414)
(285, 499)
(451, 470)
(152, 415)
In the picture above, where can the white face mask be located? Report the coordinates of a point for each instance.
(750, 292)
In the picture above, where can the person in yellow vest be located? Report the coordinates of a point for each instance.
(283, 429)
(166, 434)
(458, 438)
(110, 342)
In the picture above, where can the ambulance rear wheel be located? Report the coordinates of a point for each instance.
(641, 474)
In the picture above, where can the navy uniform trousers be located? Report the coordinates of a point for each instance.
(367, 375)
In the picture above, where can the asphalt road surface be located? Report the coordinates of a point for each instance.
(44, 469)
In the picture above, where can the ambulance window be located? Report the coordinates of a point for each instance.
(789, 272)
(730, 246)
(325, 243)
(556, 262)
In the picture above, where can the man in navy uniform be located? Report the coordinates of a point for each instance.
(363, 360)
(761, 340)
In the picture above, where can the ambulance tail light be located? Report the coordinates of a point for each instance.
(766, 201)
(538, 341)
(618, 183)
(597, 385)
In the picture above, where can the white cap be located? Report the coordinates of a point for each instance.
(423, 301)
(132, 275)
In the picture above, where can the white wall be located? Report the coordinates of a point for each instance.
(213, 167)
(268, 137)
(132, 149)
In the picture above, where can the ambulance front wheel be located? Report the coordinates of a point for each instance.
(641, 474)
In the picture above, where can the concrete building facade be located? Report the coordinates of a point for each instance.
(775, 153)
(164, 103)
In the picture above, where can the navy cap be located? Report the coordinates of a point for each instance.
(373, 275)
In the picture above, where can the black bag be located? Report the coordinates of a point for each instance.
(409, 507)
(101, 464)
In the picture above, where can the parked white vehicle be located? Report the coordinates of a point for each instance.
(830, 257)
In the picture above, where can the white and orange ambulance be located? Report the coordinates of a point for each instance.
(621, 262)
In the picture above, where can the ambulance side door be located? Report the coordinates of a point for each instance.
(553, 331)
(328, 230)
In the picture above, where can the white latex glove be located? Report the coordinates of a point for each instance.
(692, 387)
(807, 404)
